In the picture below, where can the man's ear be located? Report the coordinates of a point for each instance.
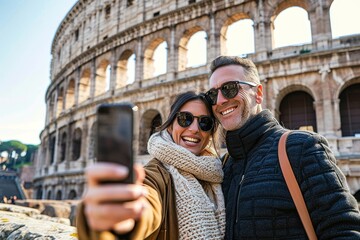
(259, 94)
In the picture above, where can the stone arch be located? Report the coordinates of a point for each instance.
(52, 108)
(70, 94)
(183, 50)
(72, 194)
(278, 7)
(76, 144)
(225, 18)
(300, 37)
(60, 102)
(149, 64)
(63, 143)
(58, 195)
(52, 148)
(122, 71)
(49, 194)
(297, 111)
(287, 90)
(350, 110)
(224, 29)
(101, 83)
(149, 121)
(39, 192)
(84, 85)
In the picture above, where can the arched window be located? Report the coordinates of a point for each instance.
(240, 38)
(196, 50)
(125, 69)
(76, 146)
(84, 86)
(102, 80)
(70, 94)
(63, 147)
(58, 195)
(49, 194)
(52, 149)
(344, 14)
(350, 110)
(297, 111)
(291, 27)
(72, 195)
(60, 102)
(160, 59)
(39, 193)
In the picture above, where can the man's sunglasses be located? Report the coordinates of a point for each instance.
(185, 119)
(229, 90)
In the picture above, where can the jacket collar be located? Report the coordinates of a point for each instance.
(239, 142)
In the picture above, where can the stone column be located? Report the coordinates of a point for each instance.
(139, 63)
(319, 17)
(172, 56)
(93, 78)
(77, 84)
(262, 33)
(328, 109)
(213, 43)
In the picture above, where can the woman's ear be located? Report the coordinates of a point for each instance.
(169, 129)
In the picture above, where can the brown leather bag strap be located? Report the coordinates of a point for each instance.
(294, 189)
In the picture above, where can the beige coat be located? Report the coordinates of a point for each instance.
(158, 222)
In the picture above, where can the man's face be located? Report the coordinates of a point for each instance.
(233, 113)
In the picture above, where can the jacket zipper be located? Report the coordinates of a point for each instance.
(238, 198)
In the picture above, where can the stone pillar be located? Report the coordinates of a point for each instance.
(84, 141)
(172, 56)
(262, 33)
(113, 68)
(213, 45)
(319, 17)
(77, 84)
(328, 110)
(139, 63)
(93, 78)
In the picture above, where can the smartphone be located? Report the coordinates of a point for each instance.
(115, 134)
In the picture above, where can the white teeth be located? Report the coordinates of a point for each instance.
(191, 139)
(227, 111)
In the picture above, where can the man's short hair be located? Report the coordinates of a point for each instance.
(250, 70)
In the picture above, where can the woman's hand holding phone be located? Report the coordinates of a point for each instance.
(114, 206)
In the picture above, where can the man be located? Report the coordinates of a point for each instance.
(258, 203)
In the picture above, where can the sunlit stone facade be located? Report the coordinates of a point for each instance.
(314, 85)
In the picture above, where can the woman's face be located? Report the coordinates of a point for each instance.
(191, 137)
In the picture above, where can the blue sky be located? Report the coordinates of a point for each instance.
(27, 28)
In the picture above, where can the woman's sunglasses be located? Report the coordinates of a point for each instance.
(229, 90)
(185, 119)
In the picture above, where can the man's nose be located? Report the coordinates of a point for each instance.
(220, 98)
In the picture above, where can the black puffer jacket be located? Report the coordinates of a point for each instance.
(258, 203)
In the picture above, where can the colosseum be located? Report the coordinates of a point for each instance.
(108, 51)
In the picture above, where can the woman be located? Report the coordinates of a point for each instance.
(183, 197)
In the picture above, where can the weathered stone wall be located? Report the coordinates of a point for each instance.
(18, 222)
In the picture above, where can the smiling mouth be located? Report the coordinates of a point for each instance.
(227, 111)
(189, 139)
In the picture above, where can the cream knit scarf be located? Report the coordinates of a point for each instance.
(197, 179)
